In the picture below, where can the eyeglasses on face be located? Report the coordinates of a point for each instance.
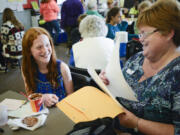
(146, 34)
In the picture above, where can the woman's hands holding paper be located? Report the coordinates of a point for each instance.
(103, 77)
(49, 99)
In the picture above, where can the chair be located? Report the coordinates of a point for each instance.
(132, 48)
(80, 81)
(8, 59)
(82, 71)
(82, 78)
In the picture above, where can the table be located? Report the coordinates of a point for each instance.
(57, 122)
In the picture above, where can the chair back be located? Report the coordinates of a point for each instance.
(82, 71)
(82, 78)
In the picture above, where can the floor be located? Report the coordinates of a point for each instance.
(12, 80)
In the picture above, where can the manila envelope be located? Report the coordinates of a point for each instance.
(89, 103)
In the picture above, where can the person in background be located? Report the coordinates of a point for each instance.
(133, 11)
(12, 32)
(114, 22)
(95, 49)
(2, 61)
(141, 7)
(110, 4)
(75, 34)
(42, 71)
(49, 10)
(70, 11)
(154, 74)
(42, 22)
(83, 3)
(92, 8)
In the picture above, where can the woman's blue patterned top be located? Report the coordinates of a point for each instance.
(45, 87)
(159, 95)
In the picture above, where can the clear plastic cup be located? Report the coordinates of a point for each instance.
(3, 115)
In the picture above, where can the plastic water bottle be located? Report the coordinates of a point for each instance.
(121, 39)
(3, 115)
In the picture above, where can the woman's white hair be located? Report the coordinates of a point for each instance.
(92, 5)
(93, 26)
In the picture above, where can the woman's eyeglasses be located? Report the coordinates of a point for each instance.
(146, 34)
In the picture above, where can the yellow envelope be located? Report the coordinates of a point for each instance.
(89, 103)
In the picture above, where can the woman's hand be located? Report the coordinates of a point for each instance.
(128, 119)
(49, 99)
(104, 78)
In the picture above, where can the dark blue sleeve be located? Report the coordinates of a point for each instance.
(63, 15)
(71, 60)
(123, 26)
(110, 33)
(81, 11)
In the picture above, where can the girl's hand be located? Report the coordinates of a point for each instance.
(128, 119)
(104, 78)
(49, 99)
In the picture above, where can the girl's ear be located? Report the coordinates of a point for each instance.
(112, 17)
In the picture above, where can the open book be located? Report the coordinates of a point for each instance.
(118, 86)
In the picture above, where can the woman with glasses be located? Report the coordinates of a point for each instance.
(154, 74)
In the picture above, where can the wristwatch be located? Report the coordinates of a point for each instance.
(136, 129)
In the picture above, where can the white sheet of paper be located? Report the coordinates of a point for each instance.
(12, 104)
(26, 110)
(118, 86)
(97, 79)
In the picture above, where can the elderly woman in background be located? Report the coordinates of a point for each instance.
(95, 49)
(154, 74)
(92, 8)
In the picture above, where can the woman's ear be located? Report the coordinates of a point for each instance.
(170, 35)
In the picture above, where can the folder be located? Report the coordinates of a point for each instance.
(89, 103)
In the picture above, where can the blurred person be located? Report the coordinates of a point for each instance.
(12, 32)
(92, 8)
(41, 70)
(49, 10)
(133, 11)
(141, 7)
(2, 60)
(110, 4)
(75, 34)
(114, 22)
(70, 11)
